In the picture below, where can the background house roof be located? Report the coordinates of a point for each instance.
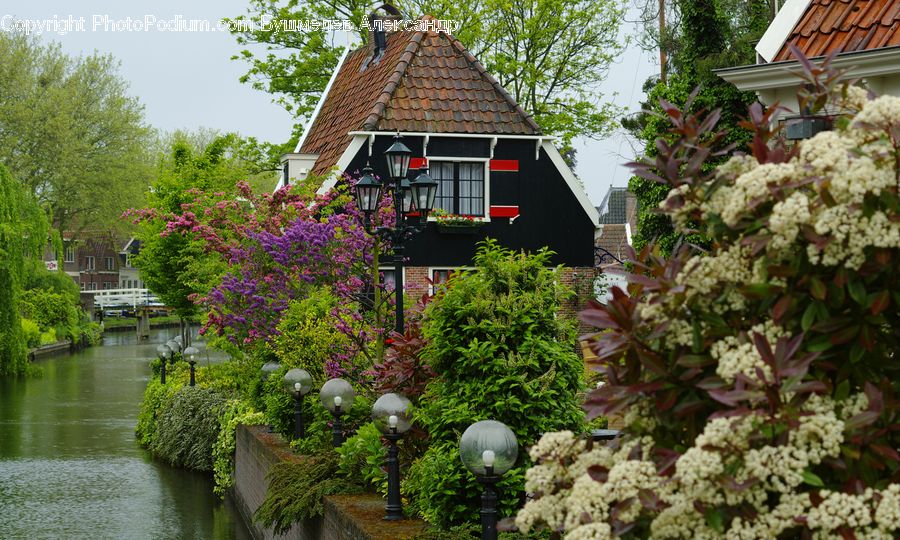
(425, 82)
(844, 26)
(613, 208)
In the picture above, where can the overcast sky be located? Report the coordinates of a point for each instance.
(186, 79)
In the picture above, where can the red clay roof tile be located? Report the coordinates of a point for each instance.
(844, 26)
(426, 81)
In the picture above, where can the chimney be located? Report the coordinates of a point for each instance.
(379, 26)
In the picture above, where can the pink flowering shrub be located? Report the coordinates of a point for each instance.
(279, 248)
(757, 382)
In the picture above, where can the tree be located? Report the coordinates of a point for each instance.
(70, 133)
(712, 34)
(550, 54)
(23, 235)
(174, 266)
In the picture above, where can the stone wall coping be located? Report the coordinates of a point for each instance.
(346, 517)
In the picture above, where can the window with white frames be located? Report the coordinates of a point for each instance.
(70, 254)
(89, 263)
(461, 186)
(109, 263)
(439, 277)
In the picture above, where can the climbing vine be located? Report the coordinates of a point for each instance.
(710, 37)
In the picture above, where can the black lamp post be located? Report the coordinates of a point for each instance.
(299, 383)
(337, 395)
(190, 355)
(164, 353)
(488, 449)
(408, 196)
(390, 416)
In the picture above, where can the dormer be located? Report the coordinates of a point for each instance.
(295, 167)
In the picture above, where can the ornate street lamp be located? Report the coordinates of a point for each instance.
(397, 157)
(164, 353)
(298, 382)
(190, 355)
(408, 196)
(368, 194)
(175, 346)
(488, 449)
(390, 416)
(337, 395)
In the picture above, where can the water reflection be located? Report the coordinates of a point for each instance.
(69, 463)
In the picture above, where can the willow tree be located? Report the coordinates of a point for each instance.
(23, 234)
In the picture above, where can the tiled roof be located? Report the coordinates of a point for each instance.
(844, 26)
(613, 208)
(426, 81)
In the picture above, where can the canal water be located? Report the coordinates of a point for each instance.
(70, 467)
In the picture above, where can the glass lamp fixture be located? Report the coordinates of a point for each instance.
(492, 437)
(406, 196)
(368, 193)
(164, 353)
(298, 382)
(488, 449)
(337, 395)
(397, 157)
(424, 190)
(267, 369)
(390, 414)
(190, 354)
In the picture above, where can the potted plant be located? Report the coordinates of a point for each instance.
(454, 223)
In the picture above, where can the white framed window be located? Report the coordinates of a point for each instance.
(70, 254)
(93, 286)
(463, 185)
(89, 263)
(440, 275)
(83, 286)
(128, 262)
(109, 263)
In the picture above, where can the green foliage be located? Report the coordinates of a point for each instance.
(31, 333)
(49, 337)
(70, 133)
(156, 399)
(23, 234)
(363, 456)
(178, 266)
(187, 428)
(472, 531)
(319, 424)
(49, 309)
(234, 413)
(500, 352)
(308, 335)
(712, 34)
(296, 490)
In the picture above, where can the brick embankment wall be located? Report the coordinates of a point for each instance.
(346, 517)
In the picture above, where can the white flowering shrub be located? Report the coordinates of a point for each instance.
(757, 381)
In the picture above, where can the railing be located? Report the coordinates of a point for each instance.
(134, 298)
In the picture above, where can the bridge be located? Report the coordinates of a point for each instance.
(140, 301)
(125, 298)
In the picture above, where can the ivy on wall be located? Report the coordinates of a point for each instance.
(712, 34)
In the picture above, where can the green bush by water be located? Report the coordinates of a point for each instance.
(188, 426)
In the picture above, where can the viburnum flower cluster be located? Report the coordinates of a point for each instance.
(757, 381)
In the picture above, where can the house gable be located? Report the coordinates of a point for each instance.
(425, 81)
